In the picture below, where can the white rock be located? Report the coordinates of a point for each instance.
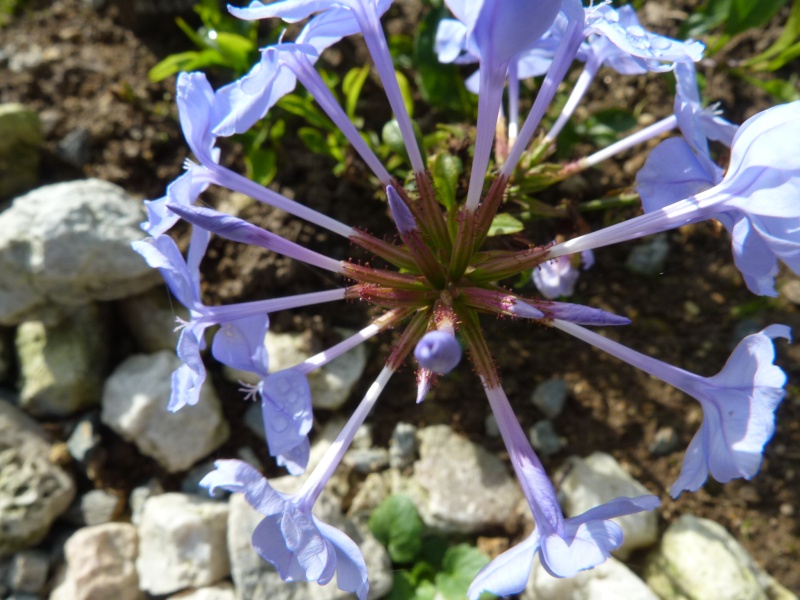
(135, 402)
(33, 491)
(221, 591)
(101, 564)
(611, 580)
(699, 560)
(331, 385)
(599, 478)
(182, 543)
(67, 244)
(467, 489)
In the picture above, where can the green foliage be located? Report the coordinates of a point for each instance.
(8, 8)
(604, 127)
(447, 170)
(437, 570)
(505, 224)
(733, 16)
(398, 526)
(222, 41)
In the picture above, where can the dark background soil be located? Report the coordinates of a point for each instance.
(93, 75)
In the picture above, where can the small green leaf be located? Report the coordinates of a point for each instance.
(446, 171)
(351, 86)
(185, 61)
(460, 565)
(262, 165)
(504, 224)
(304, 108)
(314, 140)
(405, 92)
(398, 526)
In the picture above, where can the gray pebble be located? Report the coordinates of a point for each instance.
(544, 438)
(74, 148)
(550, 397)
(666, 441)
(402, 446)
(28, 571)
(649, 257)
(367, 460)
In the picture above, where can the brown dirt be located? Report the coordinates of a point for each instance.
(94, 75)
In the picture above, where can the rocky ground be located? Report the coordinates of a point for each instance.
(98, 484)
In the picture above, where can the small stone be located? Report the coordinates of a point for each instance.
(84, 441)
(221, 591)
(665, 441)
(544, 438)
(33, 491)
(402, 446)
(254, 420)
(99, 507)
(598, 479)
(698, 559)
(466, 489)
(74, 149)
(786, 509)
(791, 291)
(182, 543)
(20, 149)
(100, 564)
(550, 397)
(140, 495)
(135, 402)
(362, 440)
(67, 244)
(62, 367)
(490, 426)
(367, 460)
(649, 257)
(28, 572)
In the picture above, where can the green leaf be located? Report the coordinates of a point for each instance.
(780, 89)
(504, 224)
(351, 86)
(236, 49)
(785, 49)
(405, 92)
(750, 14)
(303, 108)
(446, 171)
(398, 526)
(262, 165)
(185, 61)
(314, 140)
(604, 127)
(461, 564)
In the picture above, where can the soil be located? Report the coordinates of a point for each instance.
(91, 73)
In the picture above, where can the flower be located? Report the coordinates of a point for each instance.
(300, 546)
(738, 404)
(565, 546)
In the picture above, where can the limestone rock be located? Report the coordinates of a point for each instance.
(66, 244)
(28, 571)
(135, 401)
(599, 478)
(699, 560)
(20, 141)
(182, 543)
(101, 564)
(466, 488)
(33, 491)
(62, 366)
(611, 580)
